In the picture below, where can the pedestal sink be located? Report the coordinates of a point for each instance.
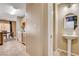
(69, 39)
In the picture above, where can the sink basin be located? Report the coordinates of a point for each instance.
(70, 37)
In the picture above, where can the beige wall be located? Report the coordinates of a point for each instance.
(62, 43)
(36, 42)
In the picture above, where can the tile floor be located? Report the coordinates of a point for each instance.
(13, 48)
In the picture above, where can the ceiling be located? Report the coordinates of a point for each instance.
(15, 5)
(7, 10)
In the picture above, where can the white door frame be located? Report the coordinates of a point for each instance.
(50, 29)
(52, 35)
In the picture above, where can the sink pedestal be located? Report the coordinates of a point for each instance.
(69, 39)
(69, 47)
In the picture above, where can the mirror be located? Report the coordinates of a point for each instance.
(70, 23)
(71, 18)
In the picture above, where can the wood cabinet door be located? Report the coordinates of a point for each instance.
(1, 38)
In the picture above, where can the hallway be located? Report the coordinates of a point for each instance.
(12, 48)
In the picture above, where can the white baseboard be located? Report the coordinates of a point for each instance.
(61, 50)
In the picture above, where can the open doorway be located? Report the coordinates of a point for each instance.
(8, 28)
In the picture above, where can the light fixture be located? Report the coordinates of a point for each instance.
(11, 10)
(16, 12)
(74, 6)
(65, 8)
(69, 5)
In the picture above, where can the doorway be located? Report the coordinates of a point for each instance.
(8, 28)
